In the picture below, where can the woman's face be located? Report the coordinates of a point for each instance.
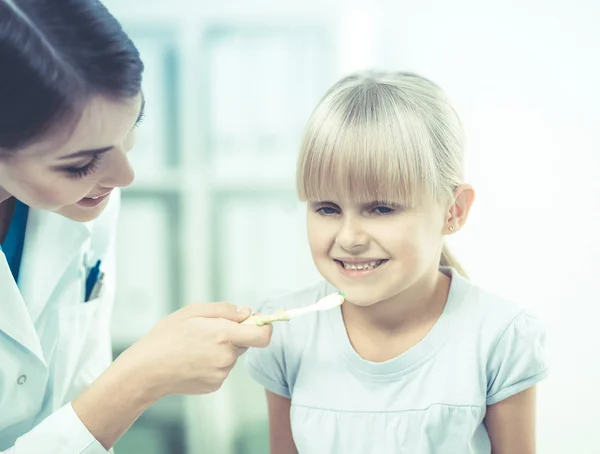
(73, 173)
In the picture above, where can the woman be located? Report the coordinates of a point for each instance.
(70, 99)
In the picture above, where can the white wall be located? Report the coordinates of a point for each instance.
(526, 80)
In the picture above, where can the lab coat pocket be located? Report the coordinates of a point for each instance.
(76, 322)
(94, 346)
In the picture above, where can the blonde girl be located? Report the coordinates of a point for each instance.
(418, 360)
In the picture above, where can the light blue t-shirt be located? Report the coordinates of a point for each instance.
(430, 399)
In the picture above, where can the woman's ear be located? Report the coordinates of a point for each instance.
(457, 214)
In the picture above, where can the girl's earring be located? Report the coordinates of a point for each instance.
(451, 228)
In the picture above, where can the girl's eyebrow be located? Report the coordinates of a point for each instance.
(322, 202)
(382, 202)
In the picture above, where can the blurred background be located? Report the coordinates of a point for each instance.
(213, 214)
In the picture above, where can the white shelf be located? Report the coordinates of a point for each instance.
(227, 11)
(216, 184)
(162, 181)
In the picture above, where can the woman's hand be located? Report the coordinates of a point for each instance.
(193, 350)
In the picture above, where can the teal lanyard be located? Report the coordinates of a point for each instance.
(15, 238)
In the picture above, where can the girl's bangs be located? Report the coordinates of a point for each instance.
(367, 152)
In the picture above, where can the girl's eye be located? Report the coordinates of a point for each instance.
(327, 211)
(86, 170)
(383, 210)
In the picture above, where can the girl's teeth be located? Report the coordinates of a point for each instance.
(363, 266)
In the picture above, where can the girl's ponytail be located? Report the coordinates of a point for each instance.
(447, 259)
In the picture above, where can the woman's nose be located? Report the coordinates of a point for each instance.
(119, 174)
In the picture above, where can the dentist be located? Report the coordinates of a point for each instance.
(70, 101)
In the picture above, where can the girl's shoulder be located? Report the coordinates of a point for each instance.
(485, 309)
(276, 367)
(504, 330)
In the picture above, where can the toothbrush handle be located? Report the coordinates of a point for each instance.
(254, 319)
(260, 319)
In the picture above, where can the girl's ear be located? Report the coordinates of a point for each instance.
(457, 214)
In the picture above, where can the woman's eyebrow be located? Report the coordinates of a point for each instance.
(81, 153)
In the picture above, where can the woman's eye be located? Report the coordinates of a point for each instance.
(139, 120)
(84, 171)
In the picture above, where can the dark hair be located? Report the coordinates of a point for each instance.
(55, 55)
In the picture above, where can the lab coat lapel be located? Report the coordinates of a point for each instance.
(14, 318)
(52, 242)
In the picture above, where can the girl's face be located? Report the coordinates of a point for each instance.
(374, 251)
(73, 173)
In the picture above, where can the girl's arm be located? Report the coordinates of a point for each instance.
(280, 428)
(511, 424)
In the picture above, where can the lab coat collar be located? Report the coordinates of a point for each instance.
(51, 244)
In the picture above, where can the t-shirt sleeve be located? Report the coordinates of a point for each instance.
(518, 361)
(268, 365)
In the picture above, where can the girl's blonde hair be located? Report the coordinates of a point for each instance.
(385, 136)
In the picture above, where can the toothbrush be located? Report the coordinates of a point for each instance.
(324, 304)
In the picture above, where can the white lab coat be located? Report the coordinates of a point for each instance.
(52, 343)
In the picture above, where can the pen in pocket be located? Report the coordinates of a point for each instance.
(92, 280)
